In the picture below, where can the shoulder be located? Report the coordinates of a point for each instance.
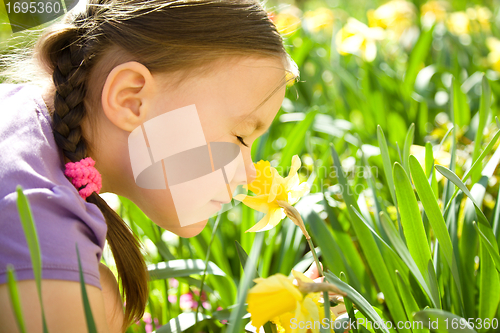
(112, 299)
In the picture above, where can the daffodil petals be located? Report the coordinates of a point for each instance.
(295, 164)
(292, 182)
(272, 297)
(275, 186)
(300, 276)
(259, 225)
(298, 192)
(259, 203)
(276, 216)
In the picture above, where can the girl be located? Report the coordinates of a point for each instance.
(111, 66)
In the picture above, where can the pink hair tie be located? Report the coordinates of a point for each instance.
(83, 173)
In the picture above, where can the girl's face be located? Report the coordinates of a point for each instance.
(232, 107)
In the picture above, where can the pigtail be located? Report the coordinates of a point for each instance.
(68, 59)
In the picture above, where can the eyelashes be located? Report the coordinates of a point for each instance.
(240, 139)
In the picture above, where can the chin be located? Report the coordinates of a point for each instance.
(190, 230)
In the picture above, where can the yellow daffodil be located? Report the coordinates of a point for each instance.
(458, 23)
(277, 299)
(434, 10)
(479, 18)
(287, 21)
(318, 19)
(357, 38)
(269, 187)
(395, 15)
(494, 56)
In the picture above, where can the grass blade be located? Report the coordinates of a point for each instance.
(489, 284)
(461, 109)
(235, 322)
(295, 139)
(405, 255)
(482, 219)
(361, 303)
(414, 229)
(442, 320)
(386, 160)
(493, 252)
(14, 298)
(86, 305)
(436, 220)
(182, 267)
(182, 322)
(484, 110)
(28, 224)
(417, 57)
(243, 256)
(378, 266)
(409, 303)
(406, 148)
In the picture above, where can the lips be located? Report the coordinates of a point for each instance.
(222, 202)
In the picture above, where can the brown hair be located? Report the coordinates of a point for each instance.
(163, 35)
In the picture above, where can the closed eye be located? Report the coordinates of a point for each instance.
(240, 139)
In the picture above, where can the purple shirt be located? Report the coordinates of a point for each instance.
(30, 157)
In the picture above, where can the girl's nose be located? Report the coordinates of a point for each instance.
(251, 172)
(246, 171)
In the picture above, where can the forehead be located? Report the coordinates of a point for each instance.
(260, 85)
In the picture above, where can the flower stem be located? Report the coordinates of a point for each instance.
(313, 251)
(294, 215)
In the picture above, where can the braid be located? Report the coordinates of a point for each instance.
(69, 80)
(70, 62)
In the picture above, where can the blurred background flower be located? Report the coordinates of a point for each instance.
(357, 38)
(395, 16)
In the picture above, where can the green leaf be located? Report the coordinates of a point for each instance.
(484, 110)
(405, 255)
(414, 229)
(482, 219)
(348, 306)
(417, 57)
(436, 220)
(493, 252)
(378, 266)
(332, 253)
(460, 106)
(441, 321)
(28, 224)
(235, 322)
(295, 139)
(138, 217)
(86, 305)
(406, 149)
(386, 160)
(361, 303)
(346, 194)
(14, 298)
(409, 303)
(182, 322)
(182, 267)
(489, 284)
(243, 256)
(475, 166)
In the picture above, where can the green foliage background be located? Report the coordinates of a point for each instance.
(431, 94)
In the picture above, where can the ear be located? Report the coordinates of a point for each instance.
(127, 95)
